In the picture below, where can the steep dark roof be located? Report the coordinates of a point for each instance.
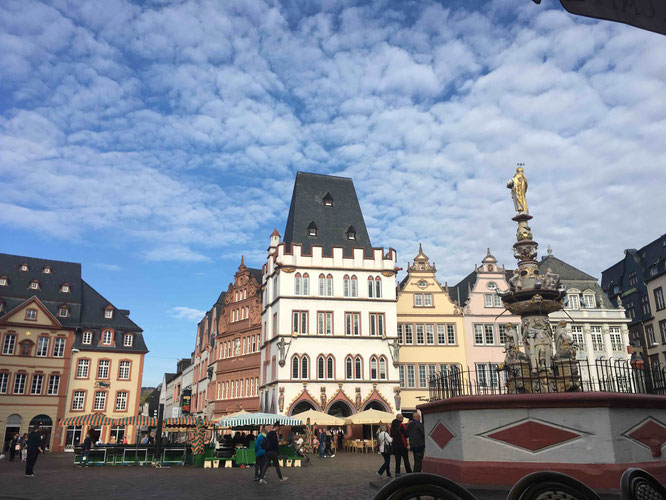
(572, 277)
(460, 292)
(256, 274)
(332, 222)
(168, 377)
(92, 314)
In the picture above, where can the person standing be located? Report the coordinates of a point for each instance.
(14, 446)
(341, 436)
(384, 443)
(259, 453)
(34, 448)
(272, 448)
(85, 450)
(322, 443)
(23, 440)
(400, 450)
(416, 434)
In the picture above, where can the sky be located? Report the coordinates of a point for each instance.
(156, 142)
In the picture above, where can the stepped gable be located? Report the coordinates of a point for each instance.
(330, 203)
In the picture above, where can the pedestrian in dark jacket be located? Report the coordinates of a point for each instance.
(400, 450)
(272, 449)
(34, 449)
(13, 445)
(416, 434)
(85, 449)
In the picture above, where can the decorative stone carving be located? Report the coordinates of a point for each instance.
(397, 398)
(518, 186)
(564, 346)
(358, 399)
(395, 351)
(540, 344)
(550, 280)
(281, 400)
(511, 345)
(322, 397)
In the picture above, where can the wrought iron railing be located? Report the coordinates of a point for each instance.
(603, 375)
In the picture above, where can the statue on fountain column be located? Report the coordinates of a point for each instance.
(564, 345)
(518, 186)
(511, 349)
(540, 345)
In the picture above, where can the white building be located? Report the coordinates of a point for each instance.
(329, 308)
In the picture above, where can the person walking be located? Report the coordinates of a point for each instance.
(322, 443)
(34, 448)
(14, 446)
(400, 450)
(416, 434)
(259, 453)
(384, 443)
(272, 448)
(23, 440)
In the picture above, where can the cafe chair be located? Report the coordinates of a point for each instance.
(637, 484)
(420, 484)
(551, 485)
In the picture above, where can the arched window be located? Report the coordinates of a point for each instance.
(304, 367)
(358, 368)
(320, 367)
(312, 229)
(378, 287)
(373, 368)
(382, 368)
(298, 284)
(329, 285)
(294, 367)
(354, 286)
(346, 286)
(330, 368)
(306, 284)
(371, 287)
(349, 368)
(322, 285)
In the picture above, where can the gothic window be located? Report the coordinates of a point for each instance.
(304, 367)
(358, 368)
(294, 367)
(330, 368)
(371, 287)
(382, 368)
(373, 368)
(320, 367)
(378, 287)
(349, 368)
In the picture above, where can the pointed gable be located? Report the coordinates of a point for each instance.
(19, 313)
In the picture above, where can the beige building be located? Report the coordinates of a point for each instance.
(430, 332)
(655, 328)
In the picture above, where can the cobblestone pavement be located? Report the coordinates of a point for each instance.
(346, 475)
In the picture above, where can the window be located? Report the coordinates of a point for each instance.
(42, 346)
(19, 383)
(275, 324)
(82, 368)
(298, 284)
(451, 334)
(328, 200)
(645, 305)
(346, 286)
(502, 333)
(24, 267)
(4, 382)
(106, 337)
(418, 299)
(34, 285)
(3, 281)
(378, 287)
(325, 323)
(295, 368)
(653, 271)
(304, 367)
(321, 369)
(354, 286)
(659, 298)
(401, 338)
(616, 339)
(373, 368)
(376, 324)
(371, 287)
(420, 339)
(128, 340)
(9, 344)
(492, 300)
(574, 301)
(631, 311)
(54, 385)
(78, 400)
(31, 314)
(351, 233)
(423, 382)
(662, 327)
(633, 279)
(100, 401)
(37, 381)
(65, 288)
(589, 301)
(312, 229)
(441, 334)
(486, 375)
(358, 368)
(108, 313)
(577, 335)
(401, 373)
(409, 334)
(352, 324)
(330, 367)
(430, 334)
(87, 338)
(597, 339)
(382, 368)
(59, 347)
(649, 333)
(103, 368)
(484, 334)
(63, 312)
(411, 382)
(121, 401)
(300, 322)
(349, 368)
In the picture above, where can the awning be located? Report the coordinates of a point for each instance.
(259, 419)
(140, 420)
(185, 421)
(92, 419)
(371, 416)
(319, 418)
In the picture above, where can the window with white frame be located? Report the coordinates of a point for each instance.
(441, 334)
(451, 334)
(4, 382)
(577, 335)
(86, 338)
(411, 380)
(63, 312)
(420, 334)
(574, 301)
(34, 285)
(358, 368)
(501, 329)
(418, 300)
(124, 370)
(430, 334)
(64, 288)
(423, 379)
(373, 368)
(382, 368)
(401, 373)
(378, 287)
(128, 340)
(349, 368)
(662, 328)
(401, 338)
(409, 334)
(324, 323)
(54, 385)
(82, 368)
(121, 401)
(427, 299)
(46, 270)
(108, 313)
(106, 337)
(31, 314)
(486, 375)
(371, 286)
(597, 338)
(484, 334)
(3, 281)
(352, 324)
(492, 300)
(616, 338)
(19, 383)
(37, 382)
(376, 324)
(42, 346)
(353, 286)
(659, 298)
(589, 301)
(103, 368)
(649, 333)
(78, 400)
(100, 401)
(300, 322)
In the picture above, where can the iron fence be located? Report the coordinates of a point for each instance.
(603, 375)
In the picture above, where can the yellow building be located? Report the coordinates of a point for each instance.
(430, 332)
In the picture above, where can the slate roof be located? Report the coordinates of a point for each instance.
(92, 313)
(460, 292)
(572, 277)
(307, 206)
(256, 274)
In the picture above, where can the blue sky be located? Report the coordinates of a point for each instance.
(156, 142)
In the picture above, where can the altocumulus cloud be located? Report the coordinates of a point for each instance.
(187, 313)
(178, 127)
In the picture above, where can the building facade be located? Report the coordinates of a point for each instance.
(655, 329)
(329, 308)
(430, 332)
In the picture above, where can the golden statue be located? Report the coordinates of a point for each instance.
(518, 186)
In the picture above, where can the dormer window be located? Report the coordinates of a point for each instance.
(87, 338)
(63, 312)
(128, 340)
(106, 337)
(653, 271)
(24, 267)
(312, 229)
(616, 289)
(46, 270)
(64, 288)
(108, 313)
(34, 285)
(351, 233)
(3, 280)
(328, 200)
(589, 301)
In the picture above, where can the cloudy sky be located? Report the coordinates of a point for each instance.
(157, 142)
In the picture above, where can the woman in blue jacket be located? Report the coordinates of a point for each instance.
(259, 453)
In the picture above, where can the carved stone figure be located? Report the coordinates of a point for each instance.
(518, 186)
(540, 344)
(395, 351)
(282, 350)
(564, 346)
(397, 398)
(281, 400)
(357, 399)
(237, 347)
(551, 280)
(514, 282)
(322, 397)
(511, 349)
(524, 232)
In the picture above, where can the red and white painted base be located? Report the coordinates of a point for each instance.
(594, 437)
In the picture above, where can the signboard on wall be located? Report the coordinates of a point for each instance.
(186, 401)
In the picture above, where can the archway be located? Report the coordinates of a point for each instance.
(12, 427)
(375, 405)
(302, 406)
(340, 409)
(45, 426)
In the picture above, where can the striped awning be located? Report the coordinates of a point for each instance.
(185, 421)
(92, 419)
(259, 419)
(140, 420)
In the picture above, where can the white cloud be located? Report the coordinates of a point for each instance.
(187, 313)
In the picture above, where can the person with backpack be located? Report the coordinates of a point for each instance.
(384, 443)
(271, 446)
(416, 434)
(400, 450)
(259, 453)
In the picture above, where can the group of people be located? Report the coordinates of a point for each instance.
(28, 447)
(266, 449)
(398, 441)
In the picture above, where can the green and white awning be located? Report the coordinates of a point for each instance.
(258, 419)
